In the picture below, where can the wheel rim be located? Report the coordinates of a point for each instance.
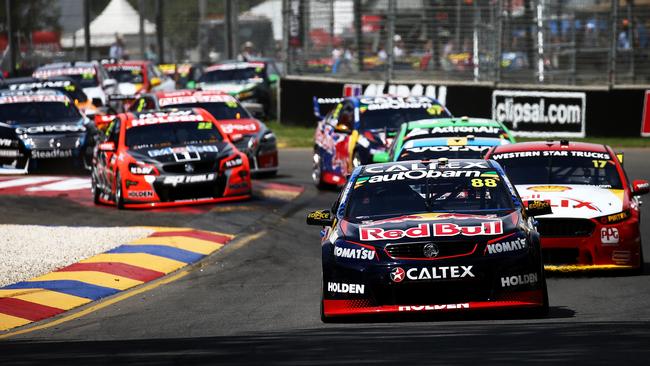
(316, 173)
(118, 191)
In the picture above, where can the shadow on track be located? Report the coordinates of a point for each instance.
(426, 343)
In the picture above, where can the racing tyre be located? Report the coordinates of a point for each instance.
(641, 270)
(119, 194)
(94, 190)
(317, 172)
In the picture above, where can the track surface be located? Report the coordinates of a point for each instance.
(258, 303)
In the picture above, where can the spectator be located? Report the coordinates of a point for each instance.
(398, 47)
(382, 55)
(117, 48)
(150, 53)
(248, 52)
(426, 58)
(337, 53)
(623, 38)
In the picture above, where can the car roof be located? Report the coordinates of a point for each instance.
(551, 145)
(10, 93)
(234, 64)
(187, 93)
(454, 121)
(63, 65)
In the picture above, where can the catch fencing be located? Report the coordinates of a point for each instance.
(540, 42)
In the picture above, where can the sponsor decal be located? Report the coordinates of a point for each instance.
(234, 163)
(436, 230)
(397, 274)
(507, 246)
(345, 288)
(435, 92)
(47, 98)
(432, 216)
(153, 118)
(229, 128)
(9, 153)
(186, 179)
(431, 250)
(549, 188)
(40, 74)
(140, 194)
(463, 305)
(6, 142)
(538, 114)
(354, 253)
(235, 66)
(122, 67)
(563, 202)
(44, 84)
(182, 150)
(431, 273)
(398, 167)
(51, 154)
(420, 174)
(609, 235)
(446, 148)
(476, 130)
(518, 280)
(50, 129)
(552, 153)
(382, 103)
(196, 98)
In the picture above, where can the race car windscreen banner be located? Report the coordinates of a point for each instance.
(541, 114)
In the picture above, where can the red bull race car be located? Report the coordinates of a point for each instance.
(596, 216)
(249, 134)
(430, 236)
(358, 128)
(168, 158)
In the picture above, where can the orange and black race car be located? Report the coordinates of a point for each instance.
(137, 76)
(168, 158)
(249, 134)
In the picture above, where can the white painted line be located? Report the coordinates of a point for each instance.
(70, 184)
(26, 181)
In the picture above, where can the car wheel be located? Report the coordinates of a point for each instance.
(119, 194)
(94, 189)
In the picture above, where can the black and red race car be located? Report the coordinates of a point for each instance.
(249, 134)
(596, 214)
(430, 236)
(168, 158)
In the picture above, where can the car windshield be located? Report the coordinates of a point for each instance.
(454, 131)
(435, 152)
(171, 134)
(39, 112)
(127, 76)
(468, 190)
(596, 169)
(392, 119)
(219, 76)
(219, 110)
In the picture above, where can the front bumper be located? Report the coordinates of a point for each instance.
(358, 287)
(606, 247)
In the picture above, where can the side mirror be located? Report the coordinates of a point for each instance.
(107, 146)
(155, 81)
(320, 218)
(640, 187)
(97, 102)
(538, 208)
(109, 83)
(273, 78)
(620, 156)
(382, 157)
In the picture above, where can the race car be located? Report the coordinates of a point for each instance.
(168, 158)
(254, 83)
(456, 138)
(137, 76)
(91, 76)
(430, 236)
(359, 127)
(596, 217)
(63, 84)
(42, 125)
(249, 134)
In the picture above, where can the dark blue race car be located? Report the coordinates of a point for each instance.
(430, 236)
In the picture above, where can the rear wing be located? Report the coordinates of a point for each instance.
(322, 106)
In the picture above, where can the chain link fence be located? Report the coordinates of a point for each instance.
(554, 42)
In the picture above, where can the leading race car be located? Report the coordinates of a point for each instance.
(249, 134)
(468, 147)
(359, 127)
(430, 236)
(595, 220)
(42, 125)
(168, 158)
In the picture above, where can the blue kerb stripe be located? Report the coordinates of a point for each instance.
(70, 287)
(176, 254)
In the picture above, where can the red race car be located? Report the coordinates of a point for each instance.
(137, 76)
(595, 219)
(250, 135)
(168, 158)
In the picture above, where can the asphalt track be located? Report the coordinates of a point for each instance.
(257, 301)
